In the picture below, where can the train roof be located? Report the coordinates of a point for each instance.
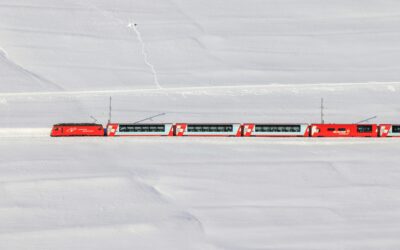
(343, 124)
(133, 123)
(77, 124)
(257, 123)
(208, 123)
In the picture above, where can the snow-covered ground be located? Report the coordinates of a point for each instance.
(184, 193)
(81, 45)
(197, 61)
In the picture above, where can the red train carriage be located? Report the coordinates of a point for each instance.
(77, 129)
(275, 130)
(202, 129)
(139, 129)
(389, 130)
(344, 130)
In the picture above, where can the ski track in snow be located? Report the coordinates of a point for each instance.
(44, 134)
(132, 26)
(24, 132)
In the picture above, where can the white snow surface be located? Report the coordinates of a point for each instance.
(198, 61)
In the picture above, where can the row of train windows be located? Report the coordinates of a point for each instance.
(278, 128)
(210, 128)
(360, 129)
(229, 128)
(141, 128)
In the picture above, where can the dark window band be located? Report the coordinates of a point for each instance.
(210, 128)
(278, 128)
(396, 129)
(364, 128)
(142, 128)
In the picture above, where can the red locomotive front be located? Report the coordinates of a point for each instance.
(77, 129)
(344, 130)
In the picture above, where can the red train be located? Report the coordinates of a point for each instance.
(344, 130)
(227, 129)
(77, 129)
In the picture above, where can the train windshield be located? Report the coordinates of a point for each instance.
(396, 129)
(210, 128)
(364, 128)
(141, 128)
(278, 128)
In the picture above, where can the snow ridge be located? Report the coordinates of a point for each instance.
(4, 56)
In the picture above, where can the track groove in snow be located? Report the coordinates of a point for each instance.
(199, 90)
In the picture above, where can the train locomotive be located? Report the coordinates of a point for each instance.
(77, 129)
(226, 130)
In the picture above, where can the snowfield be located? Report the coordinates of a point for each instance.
(198, 61)
(183, 193)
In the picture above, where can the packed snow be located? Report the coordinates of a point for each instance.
(198, 61)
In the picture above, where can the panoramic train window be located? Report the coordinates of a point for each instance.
(364, 128)
(341, 129)
(213, 128)
(331, 129)
(396, 129)
(141, 128)
(278, 128)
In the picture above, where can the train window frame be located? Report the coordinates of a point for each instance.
(331, 129)
(342, 129)
(361, 129)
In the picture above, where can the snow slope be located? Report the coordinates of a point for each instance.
(197, 61)
(81, 45)
(183, 193)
